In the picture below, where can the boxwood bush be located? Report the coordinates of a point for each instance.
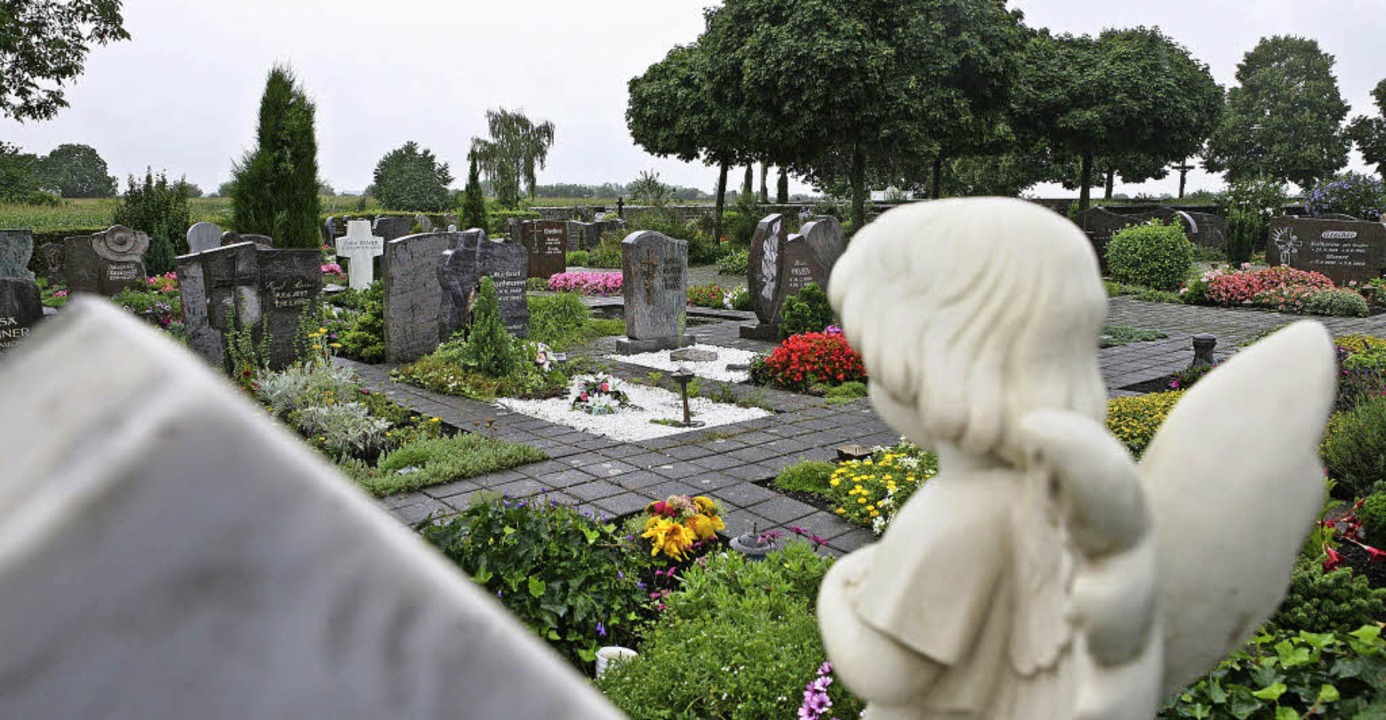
(1154, 255)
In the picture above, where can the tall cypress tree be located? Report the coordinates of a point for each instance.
(276, 185)
(473, 202)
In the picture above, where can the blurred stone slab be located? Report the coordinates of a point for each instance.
(197, 560)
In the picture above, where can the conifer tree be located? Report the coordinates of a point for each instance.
(490, 346)
(159, 208)
(473, 202)
(275, 187)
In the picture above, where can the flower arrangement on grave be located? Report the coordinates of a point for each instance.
(680, 524)
(543, 357)
(870, 491)
(1279, 288)
(599, 394)
(333, 272)
(166, 283)
(807, 359)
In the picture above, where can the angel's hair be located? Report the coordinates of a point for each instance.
(970, 313)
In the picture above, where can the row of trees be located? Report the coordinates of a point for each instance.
(960, 97)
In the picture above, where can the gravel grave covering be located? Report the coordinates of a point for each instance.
(633, 422)
(715, 370)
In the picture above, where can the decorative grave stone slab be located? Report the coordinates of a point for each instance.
(247, 286)
(413, 295)
(472, 258)
(1100, 224)
(203, 236)
(21, 307)
(360, 248)
(267, 585)
(1344, 250)
(331, 230)
(547, 242)
(16, 249)
(233, 238)
(575, 235)
(107, 262)
(826, 240)
(53, 254)
(392, 228)
(655, 287)
(782, 265)
(763, 267)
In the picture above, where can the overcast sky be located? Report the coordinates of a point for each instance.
(183, 93)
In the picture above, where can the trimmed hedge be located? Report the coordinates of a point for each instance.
(1152, 255)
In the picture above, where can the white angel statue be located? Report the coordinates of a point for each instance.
(1043, 573)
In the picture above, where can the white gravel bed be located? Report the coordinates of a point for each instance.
(633, 422)
(715, 370)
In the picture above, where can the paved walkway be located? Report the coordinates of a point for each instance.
(733, 463)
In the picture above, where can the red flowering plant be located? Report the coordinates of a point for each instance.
(1346, 527)
(807, 359)
(1279, 288)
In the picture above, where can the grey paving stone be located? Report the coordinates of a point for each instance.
(717, 462)
(781, 509)
(623, 504)
(711, 482)
(521, 488)
(854, 540)
(594, 490)
(417, 512)
(563, 479)
(744, 494)
(639, 480)
(402, 499)
(441, 492)
(677, 470)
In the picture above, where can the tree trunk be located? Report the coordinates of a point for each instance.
(782, 188)
(936, 184)
(1085, 182)
(764, 189)
(1111, 181)
(858, 187)
(721, 200)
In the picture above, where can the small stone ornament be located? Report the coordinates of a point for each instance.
(1043, 573)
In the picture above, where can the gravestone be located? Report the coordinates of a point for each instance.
(1100, 224)
(655, 287)
(107, 262)
(16, 249)
(248, 286)
(473, 257)
(250, 578)
(360, 248)
(547, 242)
(203, 236)
(1344, 250)
(575, 235)
(392, 228)
(229, 238)
(21, 308)
(827, 241)
(425, 224)
(413, 296)
(515, 230)
(332, 229)
(451, 219)
(53, 254)
(782, 265)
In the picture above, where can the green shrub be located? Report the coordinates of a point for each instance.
(808, 311)
(435, 461)
(710, 295)
(566, 576)
(1203, 253)
(365, 339)
(490, 348)
(703, 250)
(845, 393)
(450, 370)
(606, 255)
(1373, 517)
(739, 641)
(1291, 674)
(1243, 232)
(1156, 256)
(1334, 601)
(562, 321)
(810, 476)
(885, 481)
(1118, 335)
(734, 263)
(577, 258)
(496, 220)
(742, 300)
(159, 208)
(1337, 303)
(411, 178)
(1355, 449)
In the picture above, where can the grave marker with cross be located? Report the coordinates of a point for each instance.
(360, 248)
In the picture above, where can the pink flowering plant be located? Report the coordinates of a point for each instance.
(333, 272)
(587, 283)
(166, 283)
(1280, 288)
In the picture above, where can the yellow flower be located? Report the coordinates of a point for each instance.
(834, 482)
(335, 346)
(434, 420)
(670, 538)
(840, 511)
(705, 504)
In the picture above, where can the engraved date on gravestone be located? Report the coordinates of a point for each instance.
(1339, 248)
(291, 293)
(799, 276)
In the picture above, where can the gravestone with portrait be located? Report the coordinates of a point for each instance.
(248, 287)
(473, 257)
(1344, 250)
(360, 248)
(413, 296)
(547, 243)
(655, 287)
(106, 262)
(21, 303)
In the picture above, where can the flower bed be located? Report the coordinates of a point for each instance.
(1280, 288)
(808, 359)
(587, 283)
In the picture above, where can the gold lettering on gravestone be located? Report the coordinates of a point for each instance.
(10, 332)
(290, 293)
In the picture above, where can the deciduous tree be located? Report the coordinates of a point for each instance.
(1284, 119)
(411, 178)
(44, 45)
(1369, 133)
(509, 157)
(75, 171)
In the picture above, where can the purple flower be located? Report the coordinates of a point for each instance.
(601, 629)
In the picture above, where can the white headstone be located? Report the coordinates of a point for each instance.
(360, 248)
(203, 236)
(203, 562)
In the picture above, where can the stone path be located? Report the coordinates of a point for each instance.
(732, 463)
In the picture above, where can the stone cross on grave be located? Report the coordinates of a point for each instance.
(360, 248)
(651, 266)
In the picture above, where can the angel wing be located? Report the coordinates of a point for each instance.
(1233, 482)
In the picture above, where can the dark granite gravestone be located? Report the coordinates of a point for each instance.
(392, 228)
(1344, 250)
(515, 230)
(107, 262)
(250, 286)
(575, 235)
(21, 307)
(16, 249)
(53, 254)
(763, 277)
(547, 243)
(1338, 216)
(827, 240)
(413, 295)
(655, 287)
(203, 236)
(229, 238)
(472, 258)
(1100, 224)
(1210, 230)
(592, 235)
(332, 228)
